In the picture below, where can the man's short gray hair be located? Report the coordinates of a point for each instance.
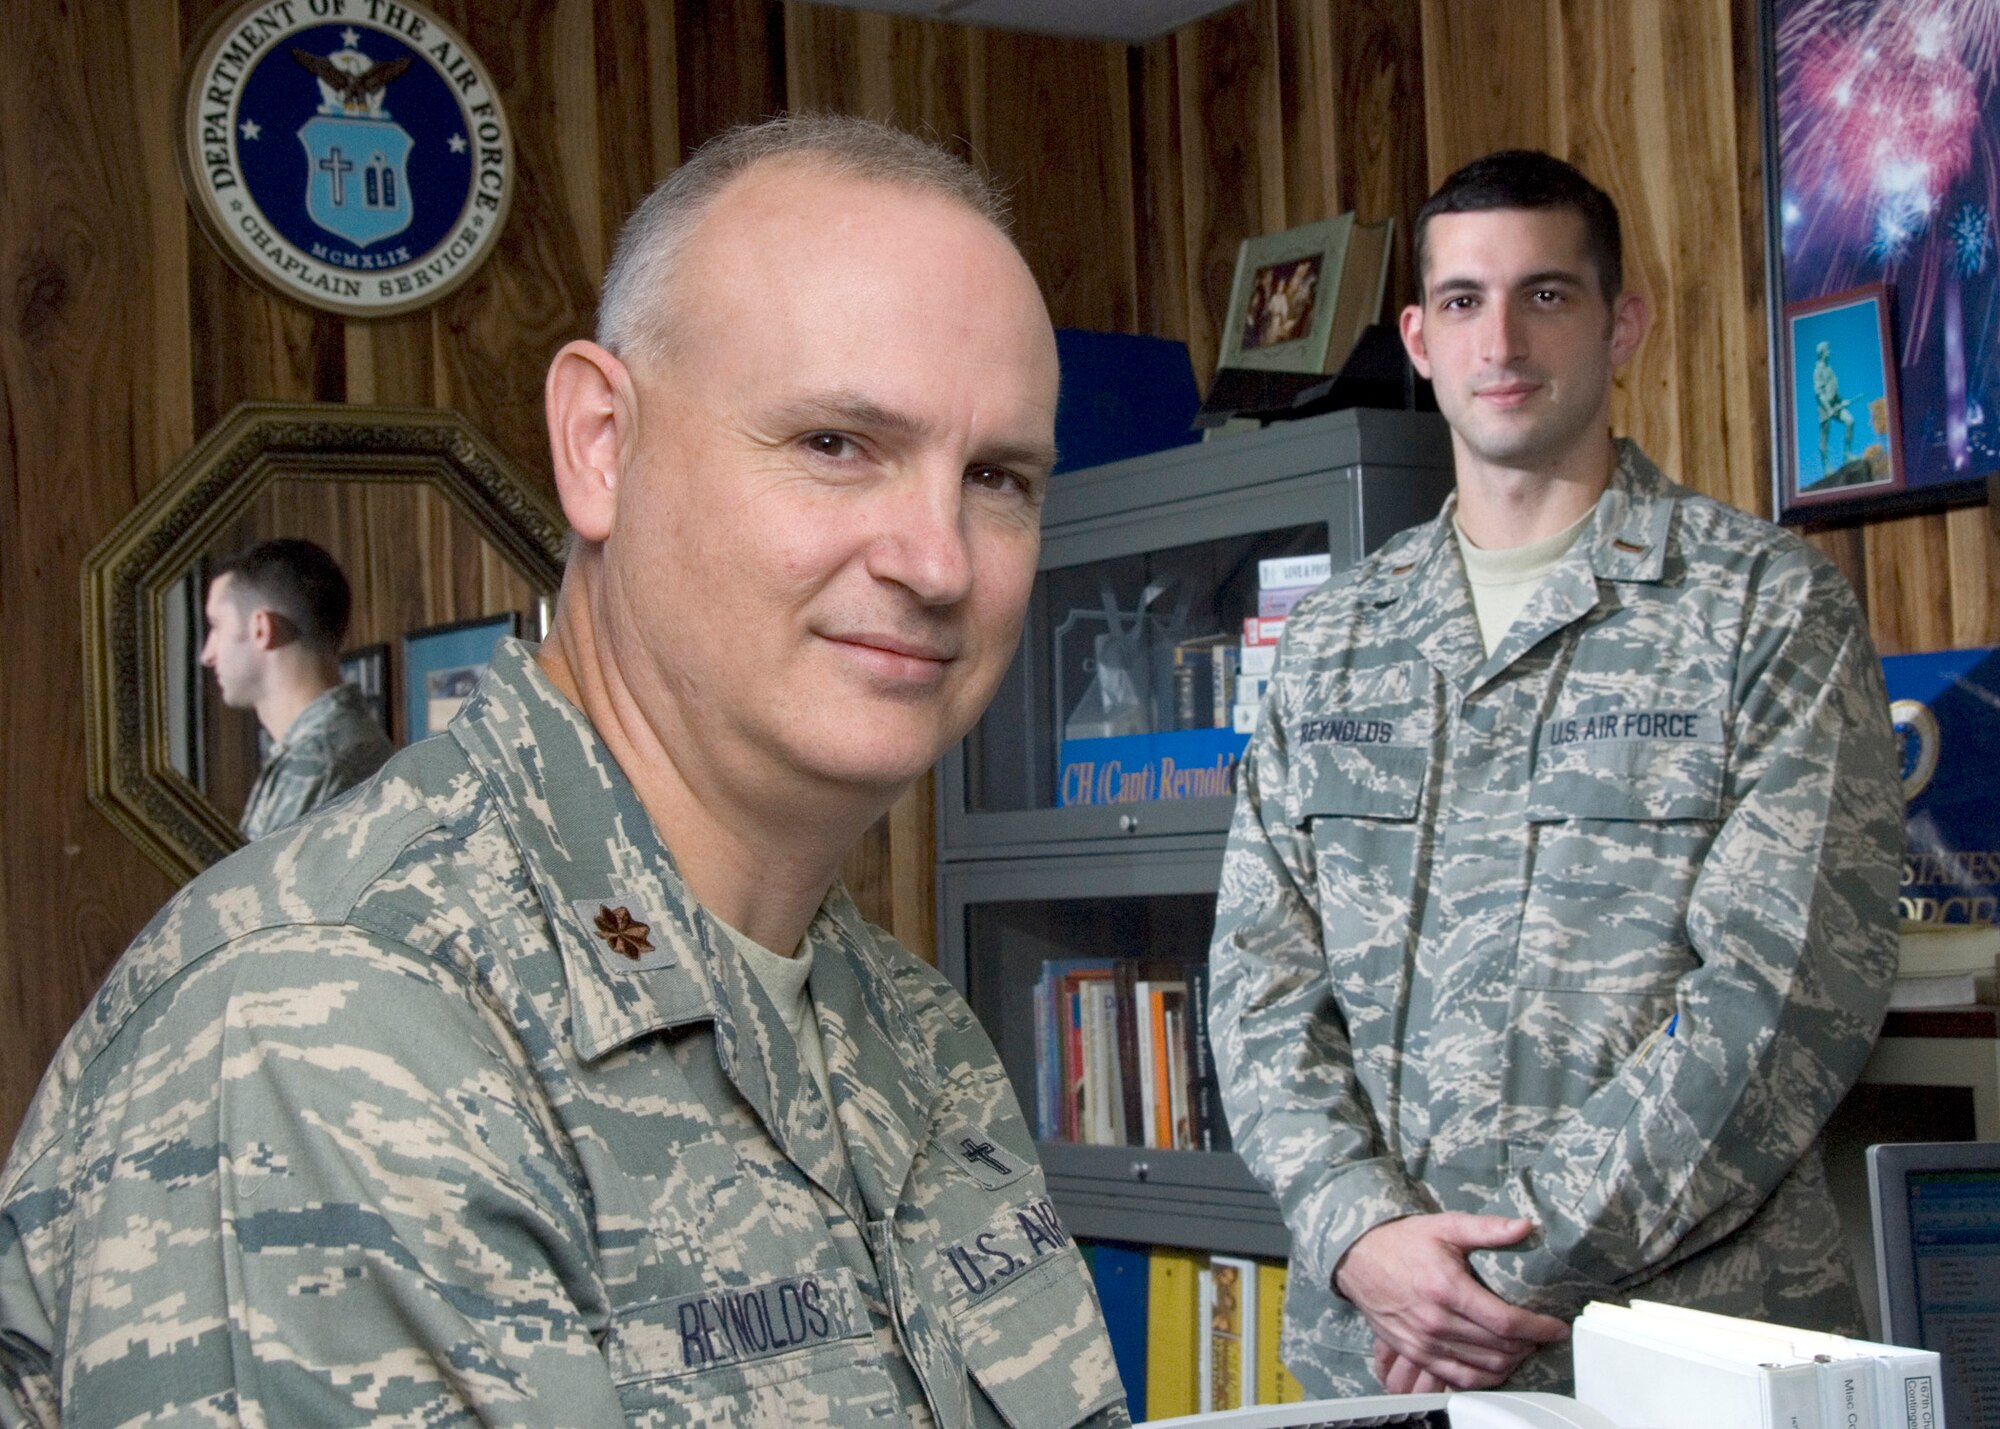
(635, 314)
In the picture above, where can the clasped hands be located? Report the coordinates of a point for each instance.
(1436, 1327)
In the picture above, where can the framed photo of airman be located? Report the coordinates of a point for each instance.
(443, 665)
(1840, 391)
(1881, 166)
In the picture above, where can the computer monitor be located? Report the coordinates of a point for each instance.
(1936, 1209)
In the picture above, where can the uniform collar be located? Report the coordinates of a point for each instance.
(633, 951)
(883, 1076)
(1424, 594)
(1635, 518)
(611, 890)
(319, 714)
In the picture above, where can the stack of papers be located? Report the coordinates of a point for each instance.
(1651, 1366)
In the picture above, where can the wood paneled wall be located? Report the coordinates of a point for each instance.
(1135, 173)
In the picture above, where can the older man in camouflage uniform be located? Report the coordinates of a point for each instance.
(1556, 916)
(552, 1079)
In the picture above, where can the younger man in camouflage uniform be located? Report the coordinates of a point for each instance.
(277, 614)
(1556, 917)
(552, 1079)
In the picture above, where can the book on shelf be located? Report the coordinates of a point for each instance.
(1228, 1348)
(1276, 602)
(1158, 1005)
(1275, 1383)
(1291, 572)
(1204, 673)
(1192, 1332)
(1122, 1055)
(1225, 666)
(1104, 1096)
(1172, 1302)
(1058, 1043)
(1207, 1131)
(1122, 1276)
(1263, 630)
(1946, 965)
(1173, 1043)
(1908, 994)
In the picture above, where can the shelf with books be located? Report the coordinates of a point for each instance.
(1151, 625)
(1192, 1333)
(1081, 825)
(1053, 953)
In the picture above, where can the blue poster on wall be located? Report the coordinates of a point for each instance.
(1946, 709)
(1887, 130)
(443, 665)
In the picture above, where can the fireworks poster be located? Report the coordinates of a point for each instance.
(1884, 117)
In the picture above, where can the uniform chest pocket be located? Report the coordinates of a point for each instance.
(1619, 829)
(1358, 781)
(1629, 765)
(1360, 805)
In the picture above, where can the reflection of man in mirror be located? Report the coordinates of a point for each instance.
(277, 614)
(552, 1077)
(1826, 393)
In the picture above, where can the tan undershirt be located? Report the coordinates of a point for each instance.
(1503, 581)
(784, 982)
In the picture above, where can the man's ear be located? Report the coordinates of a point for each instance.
(1411, 324)
(1631, 315)
(265, 632)
(593, 418)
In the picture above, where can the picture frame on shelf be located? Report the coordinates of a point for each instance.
(366, 667)
(442, 665)
(1881, 159)
(1844, 417)
(1281, 302)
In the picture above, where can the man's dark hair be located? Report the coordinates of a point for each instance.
(1528, 178)
(296, 580)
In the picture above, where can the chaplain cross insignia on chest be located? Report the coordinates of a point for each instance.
(623, 933)
(982, 1152)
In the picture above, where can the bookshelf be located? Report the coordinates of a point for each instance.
(1037, 864)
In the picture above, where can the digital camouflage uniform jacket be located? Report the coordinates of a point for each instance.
(333, 745)
(1596, 931)
(448, 1106)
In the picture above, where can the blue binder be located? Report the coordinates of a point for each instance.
(1121, 1289)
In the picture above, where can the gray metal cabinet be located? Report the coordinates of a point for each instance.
(1023, 879)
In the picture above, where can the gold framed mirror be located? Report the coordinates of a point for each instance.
(431, 523)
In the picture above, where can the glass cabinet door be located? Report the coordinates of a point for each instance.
(1148, 639)
(1134, 684)
(1090, 973)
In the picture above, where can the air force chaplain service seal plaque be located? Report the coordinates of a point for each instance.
(351, 154)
